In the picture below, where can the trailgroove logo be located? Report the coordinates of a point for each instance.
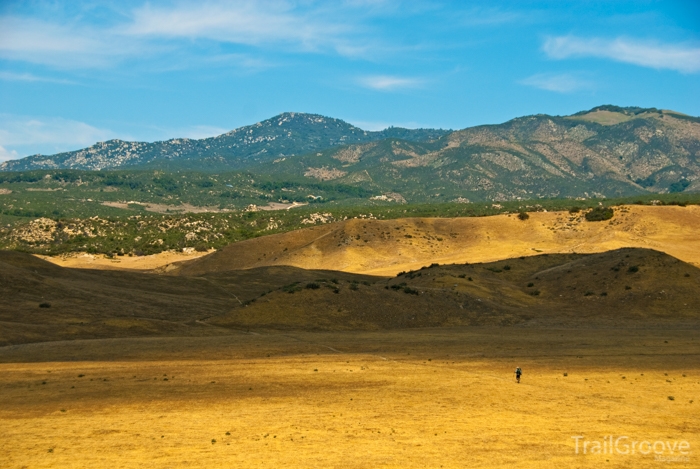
(663, 450)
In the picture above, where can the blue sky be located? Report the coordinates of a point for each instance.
(74, 73)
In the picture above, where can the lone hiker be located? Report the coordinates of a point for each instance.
(518, 372)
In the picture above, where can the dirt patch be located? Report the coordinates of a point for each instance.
(163, 260)
(163, 208)
(325, 174)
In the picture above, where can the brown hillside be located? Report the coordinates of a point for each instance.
(635, 287)
(386, 247)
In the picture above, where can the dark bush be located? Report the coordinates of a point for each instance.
(44, 305)
(523, 216)
(313, 286)
(599, 214)
(633, 269)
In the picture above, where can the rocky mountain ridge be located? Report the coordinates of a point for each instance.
(287, 134)
(607, 151)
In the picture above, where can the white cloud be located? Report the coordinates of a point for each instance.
(28, 77)
(7, 155)
(560, 83)
(389, 83)
(27, 135)
(44, 42)
(154, 30)
(240, 22)
(681, 58)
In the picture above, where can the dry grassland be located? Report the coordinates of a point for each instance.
(381, 247)
(399, 399)
(386, 247)
(82, 260)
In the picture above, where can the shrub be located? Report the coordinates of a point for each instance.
(574, 209)
(530, 284)
(599, 214)
(506, 267)
(535, 292)
(44, 305)
(523, 216)
(313, 286)
(201, 248)
(410, 291)
(633, 269)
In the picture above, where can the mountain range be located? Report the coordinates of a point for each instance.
(603, 152)
(287, 134)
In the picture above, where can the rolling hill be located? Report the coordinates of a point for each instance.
(641, 287)
(386, 247)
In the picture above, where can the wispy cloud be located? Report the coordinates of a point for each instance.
(23, 134)
(560, 83)
(7, 155)
(72, 45)
(244, 22)
(682, 58)
(389, 83)
(152, 30)
(28, 77)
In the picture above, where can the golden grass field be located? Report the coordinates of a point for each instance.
(396, 399)
(387, 250)
(386, 247)
(233, 360)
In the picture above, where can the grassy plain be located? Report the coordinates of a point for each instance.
(407, 398)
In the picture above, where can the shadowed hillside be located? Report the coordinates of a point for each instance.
(44, 302)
